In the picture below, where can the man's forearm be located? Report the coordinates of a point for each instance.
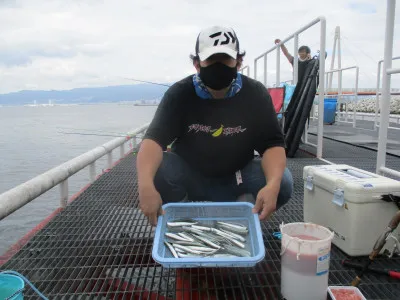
(148, 161)
(274, 164)
(286, 52)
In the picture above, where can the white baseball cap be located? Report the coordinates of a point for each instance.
(217, 39)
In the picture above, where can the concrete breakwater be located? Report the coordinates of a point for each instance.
(367, 104)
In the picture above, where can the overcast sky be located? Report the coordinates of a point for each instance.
(60, 44)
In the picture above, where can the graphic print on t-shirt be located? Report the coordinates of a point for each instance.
(216, 132)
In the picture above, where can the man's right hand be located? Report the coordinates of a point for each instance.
(150, 203)
(277, 41)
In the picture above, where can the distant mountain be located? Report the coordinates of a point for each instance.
(86, 95)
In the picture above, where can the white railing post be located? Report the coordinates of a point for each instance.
(278, 66)
(92, 172)
(122, 151)
(265, 70)
(387, 64)
(64, 193)
(345, 114)
(340, 91)
(255, 70)
(247, 69)
(296, 59)
(134, 142)
(355, 99)
(329, 86)
(109, 160)
(378, 84)
(321, 88)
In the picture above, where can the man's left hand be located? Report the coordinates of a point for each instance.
(266, 201)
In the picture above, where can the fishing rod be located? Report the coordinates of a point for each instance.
(95, 134)
(379, 244)
(107, 133)
(144, 81)
(62, 129)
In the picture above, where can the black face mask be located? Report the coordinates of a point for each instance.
(218, 75)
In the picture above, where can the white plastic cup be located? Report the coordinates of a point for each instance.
(305, 256)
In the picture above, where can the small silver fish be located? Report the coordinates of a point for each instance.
(186, 248)
(203, 228)
(176, 237)
(171, 248)
(208, 242)
(180, 223)
(229, 237)
(234, 235)
(236, 226)
(202, 249)
(187, 243)
(185, 236)
(192, 230)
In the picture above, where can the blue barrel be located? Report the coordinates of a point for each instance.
(11, 285)
(329, 110)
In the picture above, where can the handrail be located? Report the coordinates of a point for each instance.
(378, 83)
(24, 193)
(295, 35)
(340, 70)
(385, 107)
(245, 68)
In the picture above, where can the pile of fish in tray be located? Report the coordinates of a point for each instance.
(190, 238)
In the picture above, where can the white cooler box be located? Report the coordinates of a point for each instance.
(347, 201)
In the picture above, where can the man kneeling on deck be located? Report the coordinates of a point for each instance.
(215, 119)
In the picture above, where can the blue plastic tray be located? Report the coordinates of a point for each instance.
(238, 212)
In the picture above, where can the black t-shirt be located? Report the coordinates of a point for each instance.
(302, 66)
(216, 137)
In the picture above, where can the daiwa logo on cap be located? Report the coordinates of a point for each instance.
(215, 40)
(228, 37)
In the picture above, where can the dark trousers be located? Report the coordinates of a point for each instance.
(175, 180)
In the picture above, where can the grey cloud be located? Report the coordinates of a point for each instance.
(8, 3)
(23, 55)
(54, 40)
(14, 58)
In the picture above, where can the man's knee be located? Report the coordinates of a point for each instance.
(286, 189)
(170, 178)
(171, 168)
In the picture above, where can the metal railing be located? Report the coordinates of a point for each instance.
(247, 68)
(24, 193)
(385, 107)
(378, 83)
(340, 93)
(370, 117)
(276, 48)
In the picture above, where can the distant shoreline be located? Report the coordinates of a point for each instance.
(75, 104)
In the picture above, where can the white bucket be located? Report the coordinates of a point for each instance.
(305, 254)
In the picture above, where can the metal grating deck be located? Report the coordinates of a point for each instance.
(100, 246)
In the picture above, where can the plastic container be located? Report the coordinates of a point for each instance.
(329, 110)
(10, 284)
(350, 288)
(305, 256)
(207, 212)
